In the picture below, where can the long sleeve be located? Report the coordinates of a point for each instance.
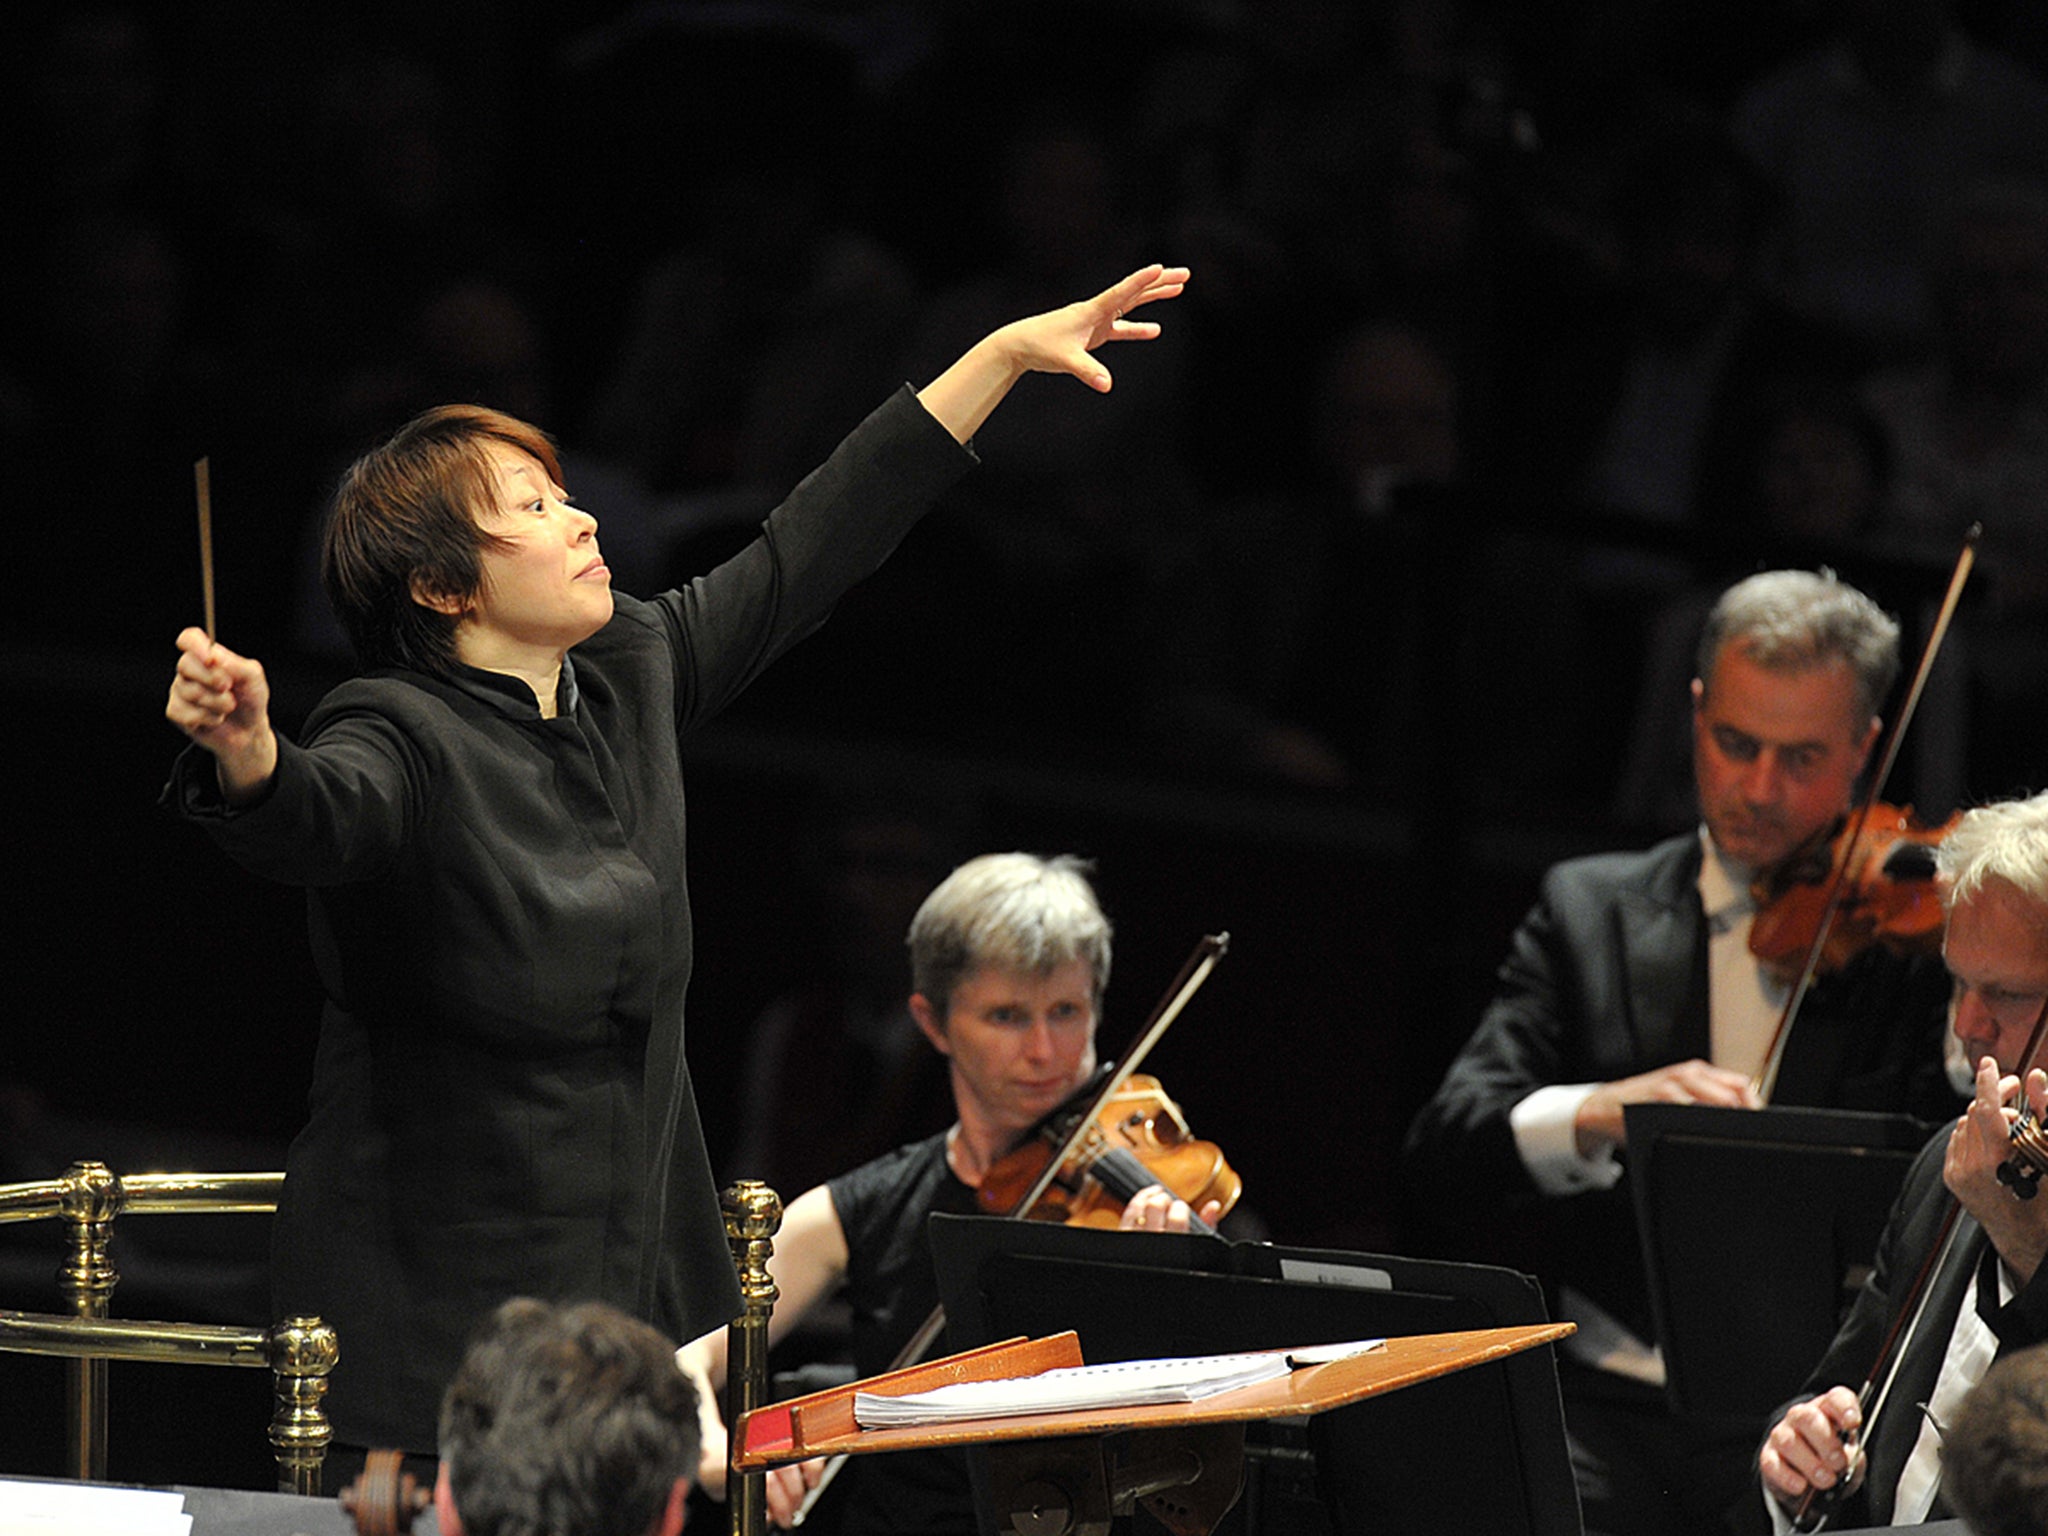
(499, 914)
(839, 524)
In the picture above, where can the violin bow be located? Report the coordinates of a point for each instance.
(1193, 973)
(1196, 971)
(1813, 1507)
(1767, 1076)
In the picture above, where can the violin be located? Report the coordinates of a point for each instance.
(1138, 1137)
(1103, 1118)
(1887, 893)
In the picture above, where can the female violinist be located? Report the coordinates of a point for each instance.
(1009, 959)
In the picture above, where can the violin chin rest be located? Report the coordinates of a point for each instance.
(1910, 861)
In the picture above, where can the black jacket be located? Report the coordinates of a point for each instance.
(1606, 978)
(501, 924)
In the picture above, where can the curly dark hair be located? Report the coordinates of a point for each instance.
(566, 1421)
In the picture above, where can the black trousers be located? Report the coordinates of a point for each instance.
(1645, 1470)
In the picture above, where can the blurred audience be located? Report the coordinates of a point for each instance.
(1969, 427)
(1870, 138)
(1806, 463)
(1315, 638)
(1286, 656)
(1530, 261)
(770, 317)
(1968, 434)
(1623, 404)
(1074, 515)
(862, 869)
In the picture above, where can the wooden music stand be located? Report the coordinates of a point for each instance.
(1070, 1472)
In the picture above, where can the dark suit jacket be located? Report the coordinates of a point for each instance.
(1606, 978)
(1910, 1236)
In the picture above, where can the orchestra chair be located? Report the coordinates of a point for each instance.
(300, 1351)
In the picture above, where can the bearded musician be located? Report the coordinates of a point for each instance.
(1009, 960)
(1632, 980)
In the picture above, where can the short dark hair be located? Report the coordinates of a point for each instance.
(566, 1421)
(1994, 1456)
(405, 517)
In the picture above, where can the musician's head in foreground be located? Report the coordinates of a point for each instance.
(566, 1421)
(1793, 668)
(1009, 959)
(1994, 1456)
(1994, 883)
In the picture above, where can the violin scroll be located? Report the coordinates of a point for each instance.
(384, 1499)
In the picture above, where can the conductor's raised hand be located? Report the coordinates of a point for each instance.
(1064, 340)
(222, 702)
(1059, 341)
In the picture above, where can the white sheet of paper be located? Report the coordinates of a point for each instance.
(89, 1509)
(1323, 1354)
(1120, 1383)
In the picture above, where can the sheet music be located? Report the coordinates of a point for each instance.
(1119, 1384)
(89, 1509)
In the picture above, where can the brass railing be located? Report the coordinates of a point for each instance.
(299, 1352)
(753, 1215)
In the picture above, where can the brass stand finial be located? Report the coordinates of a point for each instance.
(753, 1215)
(303, 1351)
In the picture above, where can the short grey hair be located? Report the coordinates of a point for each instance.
(1792, 620)
(2007, 842)
(1010, 911)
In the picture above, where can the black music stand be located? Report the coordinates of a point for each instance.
(1757, 1225)
(1483, 1449)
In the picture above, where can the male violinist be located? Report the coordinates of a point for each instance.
(1988, 1296)
(1009, 958)
(1631, 981)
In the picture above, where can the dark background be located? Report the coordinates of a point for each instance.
(1161, 630)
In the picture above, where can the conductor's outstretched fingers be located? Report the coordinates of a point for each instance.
(1064, 340)
(1061, 340)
